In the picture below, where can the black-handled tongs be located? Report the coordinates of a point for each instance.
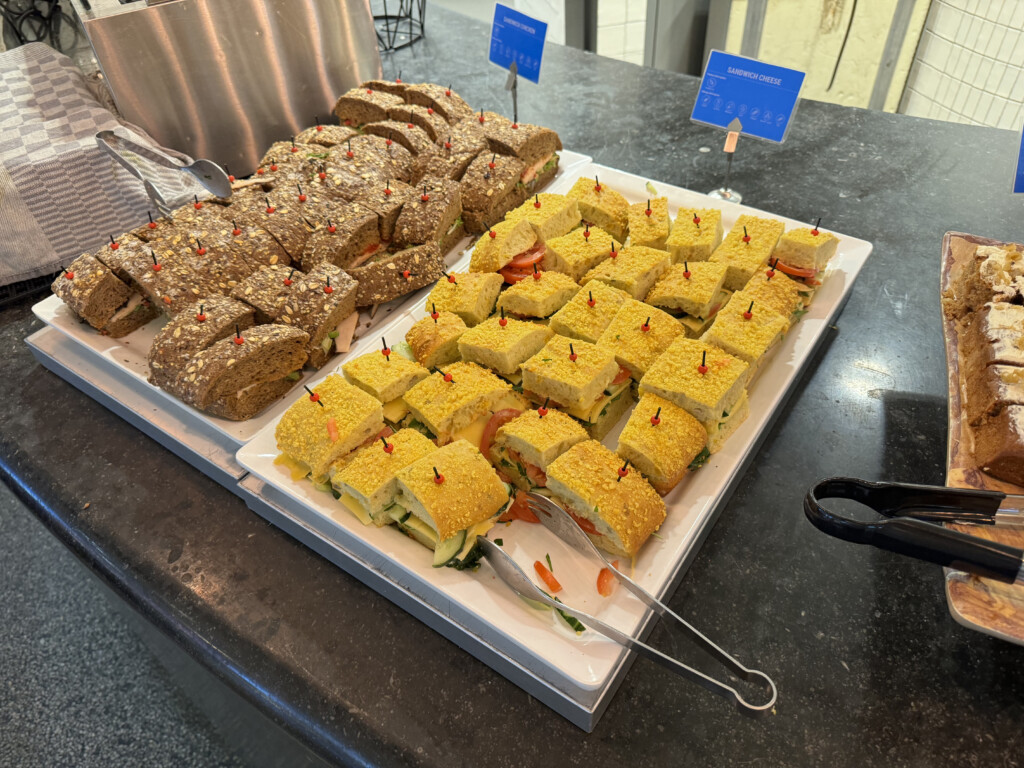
(911, 530)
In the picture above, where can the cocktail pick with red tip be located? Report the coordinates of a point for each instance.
(686, 270)
(330, 227)
(623, 471)
(536, 272)
(235, 230)
(425, 197)
(597, 184)
(114, 245)
(703, 368)
(388, 140)
(815, 231)
(349, 153)
(399, 78)
(386, 350)
(387, 188)
(328, 289)
(613, 253)
(407, 274)
(590, 301)
(270, 208)
(388, 447)
(152, 224)
(313, 396)
(197, 205)
(200, 251)
(750, 312)
(586, 232)
(536, 201)
(746, 237)
(156, 264)
(696, 219)
(302, 196)
(451, 278)
(438, 477)
(239, 341)
(656, 418)
(316, 122)
(646, 326)
(273, 165)
(543, 410)
(201, 317)
(481, 116)
(572, 353)
(491, 233)
(770, 273)
(448, 144)
(322, 174)
(410, 123)
(501, 320)
(434, 314)
(446, 376)
(68, 274)
(288, 280)
(294, 148)
(491, 164)
(648, 211)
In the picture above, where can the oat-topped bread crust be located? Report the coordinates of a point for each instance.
(209, 253)
(370, 476)
(318, 311)
(676, 376)
(115, 258)
(358, 106)
(692, 293)
(529, 143)
(196, 327)
(424, 118)
(747, 338)
(634, 270)
(349, 184)
(576, 253)
(744, 258)
(469, 494)
(488, 193)
(502, 347)
(574, 383)
(387, 203)
(511, 238)
(663, 451)
(694, 239)
(638, 334)
(538, 296)
(540, 439)
(413, 139)
(174, 285)
(226, 369)
(444, 101)
(628, 507)
(288, 153)
(350, 236)
(266, 291)
(471, 296)
(91, 290)
(372, 155)
(442, 164)
(387, 276)
(384, 377)
(429, 220)
(602, 206)
(326, 135)
(578, 320)
(447, 406)
(317, 435)
(279, 216)
(433, 343)
(649, 230)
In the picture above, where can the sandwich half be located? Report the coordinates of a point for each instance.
(387, 378)
(525, 445)
(662, 441)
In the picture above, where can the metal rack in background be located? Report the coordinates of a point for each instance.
(401, 28)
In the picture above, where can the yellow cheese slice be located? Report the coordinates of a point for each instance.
(298, 469)
(395, 410)
(352, 505)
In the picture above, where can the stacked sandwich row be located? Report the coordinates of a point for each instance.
(329, 221)
(987, 302)
(529, 370)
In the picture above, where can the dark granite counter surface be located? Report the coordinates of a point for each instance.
(871, 668)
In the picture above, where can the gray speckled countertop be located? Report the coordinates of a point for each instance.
(870, 667)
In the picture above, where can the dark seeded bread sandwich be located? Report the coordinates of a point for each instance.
(347, 238)
(373, 154)
(490, 192)
(425, 118)
(167, 279)
(386, 202)
(433, 216)
(92, 292)
(237, 377)
(387, 276)
(326, 135)
(534, 145)
(395, 87)
(358, 106)
(413, 139)
(279, 216)
(196, 327)
(444, 101)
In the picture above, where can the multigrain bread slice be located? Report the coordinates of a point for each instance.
(167, 279)
(431, 215)
(576, 253)
(387, 202)
(588, 313)
(290, 152)
(456, 149)
(502, 345)
(446, 406)
(695, 234)
(370, 477)
(524, 446)
(625, 511)
(503, 242)
(532, 144)
(366, 158)
(424, 118)
(395, 87)
(279, 215)
(452, 489)
(322, 299)
(266, 290)
(195, 328)
(638, 335)
(435, 341)
(387, 276)
(326, 135)
(490, 188)
(359, 106)
(649, 223)
(573, 376)
(118, 251)
(414, 139)
(347, 238)
(91, 291)
(237, 377)
(444, 101)
(661, 440)
(634, 270)
(539, 295)
(601, 206)
(470, 295)
(314, 433)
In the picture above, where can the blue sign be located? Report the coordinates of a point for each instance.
(761, 96)
(519, 38)
(1018, 180)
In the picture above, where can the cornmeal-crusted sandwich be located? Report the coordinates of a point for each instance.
(578, 252)
(804, 253)
(687, 288)
(503, 344)
(435, 340)
(618, 513)
(649, 223)
(601, 206)
(540, 295)
(505, 241)
(745, 330)
(470, 295)
(746, 249)
(662, 441)
(326, 425)
(695, 234)
(634, 270)
(386, 377)
(638, 334)
(525, 445)
(550, 215)
(588, 313)
(772, 290)
(368, 482)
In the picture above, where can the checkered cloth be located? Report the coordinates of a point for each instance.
(60, 194)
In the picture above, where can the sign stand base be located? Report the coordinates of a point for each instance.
(726, 193)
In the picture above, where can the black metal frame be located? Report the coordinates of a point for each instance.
(389, 25)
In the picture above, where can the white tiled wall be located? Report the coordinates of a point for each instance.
(620, 29)
(969, 66)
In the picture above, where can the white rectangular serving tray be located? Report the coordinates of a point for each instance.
(585, 667)
(129, 353)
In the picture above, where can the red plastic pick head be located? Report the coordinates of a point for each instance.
(201, 317)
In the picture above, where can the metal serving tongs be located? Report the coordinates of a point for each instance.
(207, 173)
(556, 520)
(909, 534)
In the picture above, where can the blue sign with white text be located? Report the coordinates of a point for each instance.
(519, 38)
(761, 96)
(1018, 180)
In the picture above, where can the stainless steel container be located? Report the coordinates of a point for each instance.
(223, 79)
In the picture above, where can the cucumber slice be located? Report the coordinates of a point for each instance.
(324, 486)
(448, 550)
(402, 348)
(326, 345)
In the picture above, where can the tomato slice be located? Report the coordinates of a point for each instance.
(623, 375)
(525, 261)
(501, 417)
(547, 576)
(536, 474)
(606, 580)
(795, 271)
(586, 525)
(519, 509)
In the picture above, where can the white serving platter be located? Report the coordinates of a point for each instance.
(582, 668)
(128, 354)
